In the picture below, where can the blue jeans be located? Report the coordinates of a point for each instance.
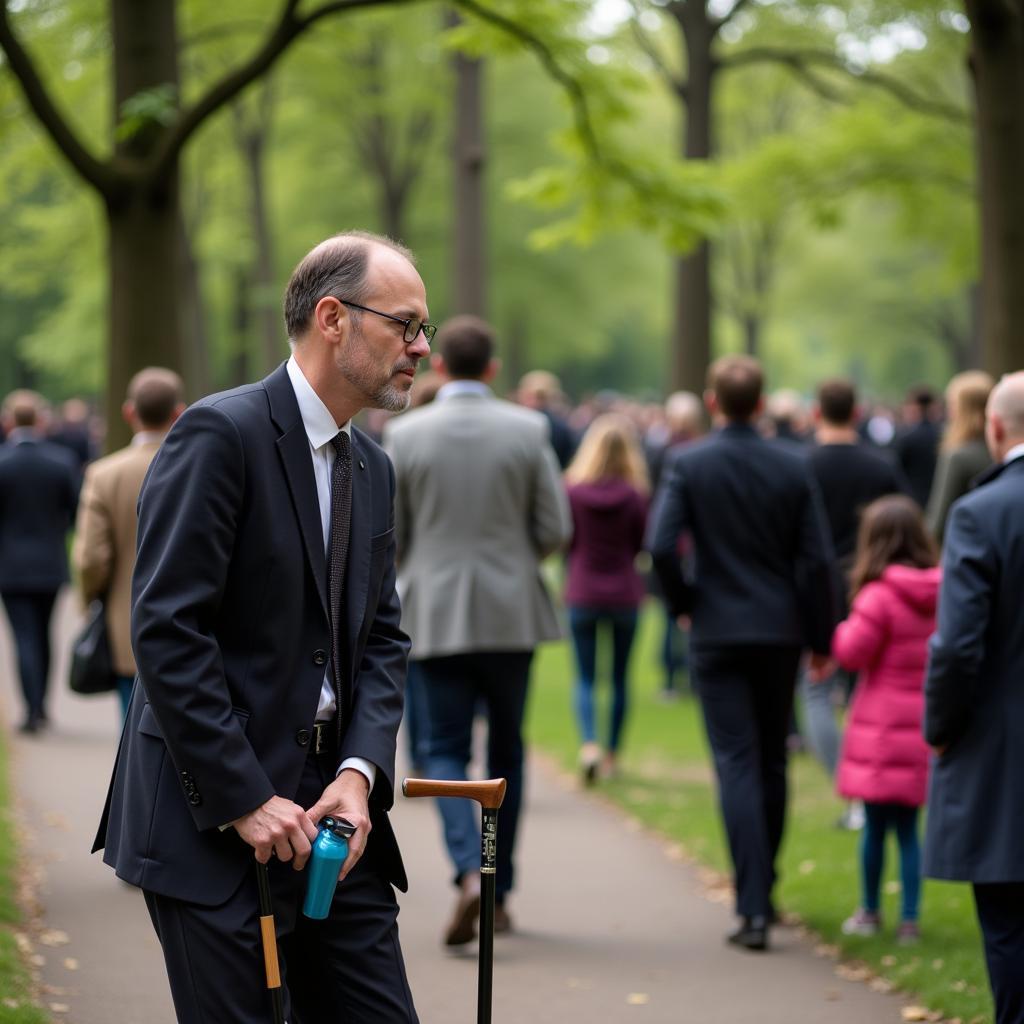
(585, 623)
(454, 686)
(29, 615)
(878, 820)
(416, 717)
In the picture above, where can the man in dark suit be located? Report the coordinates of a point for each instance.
(974, 703)
(917, 447)
(38, 495)
(271, 663)
(762, 591)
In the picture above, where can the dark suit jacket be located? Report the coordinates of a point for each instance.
(38, 497)
(918, 451)
(762, 557)
(974, 690)
(231, 634)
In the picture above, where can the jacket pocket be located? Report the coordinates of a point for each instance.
(382, 540)
(148, 724)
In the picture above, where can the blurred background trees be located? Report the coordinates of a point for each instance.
(826, 216)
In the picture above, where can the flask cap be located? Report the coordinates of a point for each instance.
(338, 826)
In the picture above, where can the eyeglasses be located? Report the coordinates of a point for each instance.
(413, 325)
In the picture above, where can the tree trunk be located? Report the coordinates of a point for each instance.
(142, 218)
(997, 63)
(752, 334)
(195, 338)
(469, 278)
(691, 336)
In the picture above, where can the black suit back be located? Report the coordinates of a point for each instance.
(38, 496)
(762, 558)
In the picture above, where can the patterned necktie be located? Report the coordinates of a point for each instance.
(341, 523)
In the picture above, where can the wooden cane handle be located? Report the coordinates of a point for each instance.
(488, 793)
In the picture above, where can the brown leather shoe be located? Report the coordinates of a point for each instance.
(502, 921)
(462, 927)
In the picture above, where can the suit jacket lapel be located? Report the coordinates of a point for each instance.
(293, 446)
(357, 574)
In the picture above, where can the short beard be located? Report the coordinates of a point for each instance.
(391, 399)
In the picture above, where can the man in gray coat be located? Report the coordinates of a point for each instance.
(974, 693)
(479, 504)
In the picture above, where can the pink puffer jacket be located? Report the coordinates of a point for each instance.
(885, 758)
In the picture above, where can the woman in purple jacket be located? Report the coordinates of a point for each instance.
(608, 495)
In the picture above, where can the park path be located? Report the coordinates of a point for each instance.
(610, 927)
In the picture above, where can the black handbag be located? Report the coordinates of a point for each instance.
(92, 670)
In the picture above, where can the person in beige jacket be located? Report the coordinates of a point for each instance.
(103, 553)
(479, 504)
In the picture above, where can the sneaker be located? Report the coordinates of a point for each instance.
(908, 933)
(590, 762)
(852, 819)
(862, 922)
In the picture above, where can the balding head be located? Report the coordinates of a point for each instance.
(337, 267)
(1004, 420)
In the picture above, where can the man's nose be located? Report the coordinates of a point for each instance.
(419, 347)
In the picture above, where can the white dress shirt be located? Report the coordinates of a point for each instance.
(320, 429)
(1014, 453)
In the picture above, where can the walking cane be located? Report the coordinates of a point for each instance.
(488, 795)
(270, 944)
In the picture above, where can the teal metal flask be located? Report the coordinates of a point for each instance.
(330, 848)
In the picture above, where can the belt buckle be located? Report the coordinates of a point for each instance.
(319, 738)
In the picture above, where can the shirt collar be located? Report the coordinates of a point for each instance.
(316, 418)
(463, 387)
(148, 437)
(1014, 453)
(20, 435)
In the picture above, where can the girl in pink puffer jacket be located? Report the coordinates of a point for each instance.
(884, 760)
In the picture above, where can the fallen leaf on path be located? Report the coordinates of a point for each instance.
(958, 986)
(23, 942)
(638, 999)
(833, 995)
(916, 1013)
(11, 1004)
(54, 937)
(36, 960)
(71, 963)
(806, 867)
(890, 961)
(59, 1007)
(937, 965)
(881, 985)
(826, 950)
(853, 972)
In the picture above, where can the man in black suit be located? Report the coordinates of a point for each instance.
(917, 447)
(271, 663)
(38, 497)
(974, 702)
(762, 591)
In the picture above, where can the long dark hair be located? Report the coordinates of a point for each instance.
(892, 531)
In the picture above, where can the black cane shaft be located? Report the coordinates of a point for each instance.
(268, 932)
(488, 881)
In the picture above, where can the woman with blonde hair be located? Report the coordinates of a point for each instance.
(963, 454)
(608, 494)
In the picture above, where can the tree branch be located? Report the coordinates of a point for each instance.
(805, 61)
(288, 27)
(729, 15)
(580, 106)
(101, 175)
(677, 84)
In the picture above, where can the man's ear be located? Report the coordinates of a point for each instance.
(710, 402)
(759, 408)
(128, 413)
(492, 371)
(437, 364)
(330, 316)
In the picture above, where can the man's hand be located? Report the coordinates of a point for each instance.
(346, 797)
(940, 750)
(820, 667)
(280, 827)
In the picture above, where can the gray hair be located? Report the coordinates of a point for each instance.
(336, 267)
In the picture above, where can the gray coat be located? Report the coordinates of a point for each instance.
(479, 504)
(974, 690)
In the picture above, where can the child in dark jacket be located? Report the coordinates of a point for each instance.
(884, 760)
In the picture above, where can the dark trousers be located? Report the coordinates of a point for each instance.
(879, 819)
(347, 968)
(747, 697)
(585, 624)
(455, 686)
(1001, 916)
(29, 615)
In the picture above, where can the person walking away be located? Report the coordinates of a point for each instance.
(103, 553)
(38, 495)
(974, 702)
(479, 505)
(850, 475)
(917, 445)
(608, 497)
(541, 391)
(265, 626)
(762, 591)
(894, 588)
(963, 455)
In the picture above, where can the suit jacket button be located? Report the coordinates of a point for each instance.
(319, 657)
(195, 799)
(302, 737)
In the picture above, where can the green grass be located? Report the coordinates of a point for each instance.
(16, 1005)
(666, 782)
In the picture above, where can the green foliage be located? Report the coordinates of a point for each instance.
(151, 107)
